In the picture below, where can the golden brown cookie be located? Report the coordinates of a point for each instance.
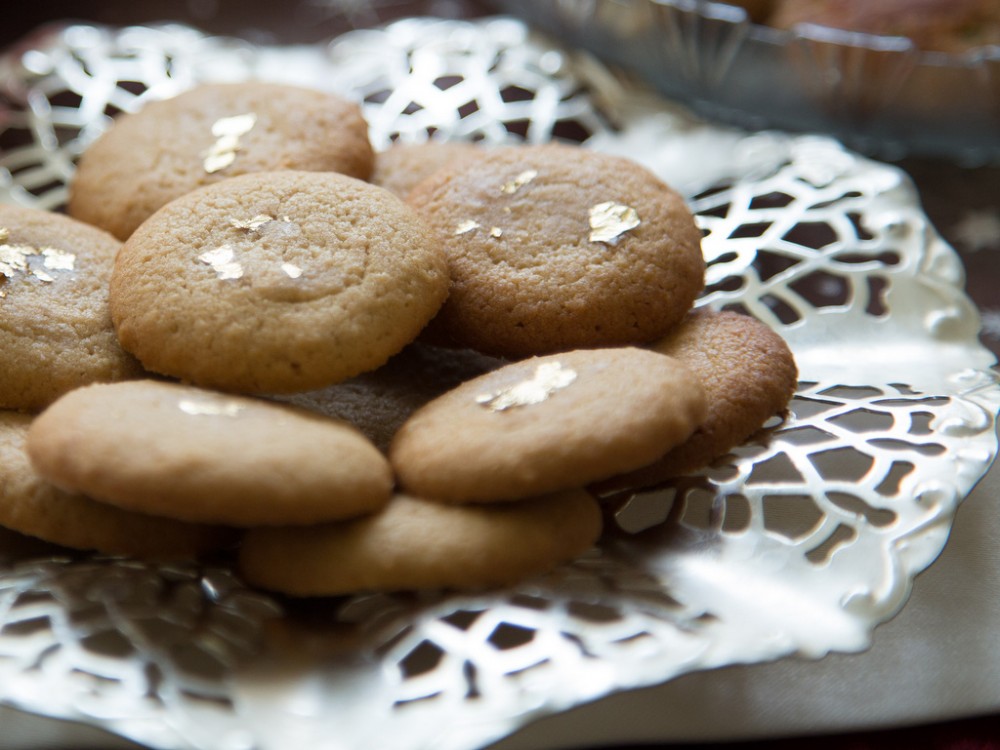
(757, 10)
(55, 327)
(546, 424)
(414, 544)
(276, 282)
(401, 166)
(940, 25)
(557, 247)
(196, 455)
(32, 506)
(379, 402)
(749, 376)
(211, 133)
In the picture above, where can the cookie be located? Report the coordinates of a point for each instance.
(55, 326)
(758, 11)
(34, 507)
(210, 133)
(276, 282)
(401, 166)
(749, 376)
(414, 544)
(379, 402)
(556, 247)
(940, 25)
(546, 424)
(195, 455)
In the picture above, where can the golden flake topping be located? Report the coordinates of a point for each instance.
(208, 407)
(464, 227)
(222, 260)
(509, 188)
(227, 132)
(548, 378)
(291, 270)
(58, 260)
(609, 221)
(469, 225)
(258, 221)
(14, 260)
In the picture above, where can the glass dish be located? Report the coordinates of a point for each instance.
(879, 95)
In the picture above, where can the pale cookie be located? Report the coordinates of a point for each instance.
(749, 376)
(276, 282)
(546, 424)
(415, 544)
(34, 507)
(401, 166)
(55, 327)
(210, 133)
(379, 402)
(557, 247)
(196, 455)
(953, 26)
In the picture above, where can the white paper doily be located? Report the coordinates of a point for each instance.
(801, 542)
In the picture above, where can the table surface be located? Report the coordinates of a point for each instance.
(933, 670)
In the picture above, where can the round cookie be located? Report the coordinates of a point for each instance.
(31, 506)
(546, 424)
(557, 247)
(749, 375)
(207, 134)
(941, 25)
(195, 455)
(401, 166)
(414, 544)
(55, 327)
(757, 10)
(276, 282)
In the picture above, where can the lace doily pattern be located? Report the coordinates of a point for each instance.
(800, 542)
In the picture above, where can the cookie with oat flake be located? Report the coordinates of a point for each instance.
(546, 424)
(276, 282)
(211, 133)
(555, 247)
(200, 456)
(55, 324)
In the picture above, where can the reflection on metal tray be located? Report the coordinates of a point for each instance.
(800, 542)
(877, 94)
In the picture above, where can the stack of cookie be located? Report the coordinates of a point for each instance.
(248, 358)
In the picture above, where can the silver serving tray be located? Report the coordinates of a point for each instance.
(799, 543)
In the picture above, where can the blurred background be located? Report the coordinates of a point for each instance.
(261, 21)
